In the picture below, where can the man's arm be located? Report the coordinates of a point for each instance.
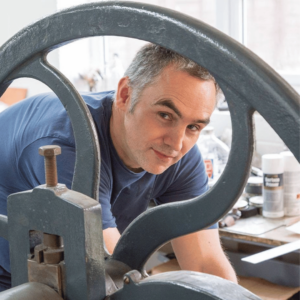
(202, 252)
(111, 237)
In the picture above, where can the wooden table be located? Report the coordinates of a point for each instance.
(239, 243)
(276, 237)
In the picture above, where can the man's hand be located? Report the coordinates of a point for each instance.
(111, 237)
(202, 252)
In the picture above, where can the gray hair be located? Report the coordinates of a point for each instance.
(150, 61)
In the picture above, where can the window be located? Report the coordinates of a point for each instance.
(273, 31)
(270, 28)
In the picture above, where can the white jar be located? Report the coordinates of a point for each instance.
(272, 167)
(291, 178)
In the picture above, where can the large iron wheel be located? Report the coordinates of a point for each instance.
(247, 82)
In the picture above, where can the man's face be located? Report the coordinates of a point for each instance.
(166, 121)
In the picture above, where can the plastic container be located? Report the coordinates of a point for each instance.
(214, 152)
(257, 202)
(291, 178)
(254, 186)
(272, 167)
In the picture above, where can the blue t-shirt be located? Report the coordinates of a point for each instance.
(42, 120)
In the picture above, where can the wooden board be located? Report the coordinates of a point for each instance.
(275, 237)
(267, 290)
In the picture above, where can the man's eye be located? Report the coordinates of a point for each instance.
(165, 116)
(194, 127)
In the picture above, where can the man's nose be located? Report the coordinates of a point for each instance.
(174, 138)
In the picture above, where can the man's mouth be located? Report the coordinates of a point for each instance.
(163, 156)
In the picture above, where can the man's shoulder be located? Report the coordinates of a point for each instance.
(49, 103)
(99, 104)
(53, 107)
(44, 115)
(96, 99)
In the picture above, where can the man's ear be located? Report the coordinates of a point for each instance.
(123, 94)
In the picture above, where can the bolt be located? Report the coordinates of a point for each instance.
(50, 152)
(126, 280)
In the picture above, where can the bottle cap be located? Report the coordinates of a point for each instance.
(290, 162)
(272, 164)
(255, 181)
(241, 203)
(256, 201)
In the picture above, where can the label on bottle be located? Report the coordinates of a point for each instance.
(273, 200)
(273, 205)
(292, 204)
(209, 167)
(273, 181)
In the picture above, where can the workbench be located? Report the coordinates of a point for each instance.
(283, 270)
(256, 234)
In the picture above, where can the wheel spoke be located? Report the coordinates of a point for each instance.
(87, 165)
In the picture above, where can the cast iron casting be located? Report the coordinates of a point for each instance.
(248, 84)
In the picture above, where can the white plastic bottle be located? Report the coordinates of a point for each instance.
(291, 178)
(214, 152)
(272, 167)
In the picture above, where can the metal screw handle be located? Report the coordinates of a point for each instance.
(50, 152)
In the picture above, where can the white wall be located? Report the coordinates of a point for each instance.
(266, 139)
(17, 14)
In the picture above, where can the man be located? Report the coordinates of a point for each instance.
(147, 131)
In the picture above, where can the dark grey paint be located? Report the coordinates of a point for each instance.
(30, 291)
(3, 226)
(248, 83)
(287, 274)
(71, 215)
(183, 285)
(87, 167)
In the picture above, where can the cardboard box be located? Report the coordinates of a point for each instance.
(267, 290)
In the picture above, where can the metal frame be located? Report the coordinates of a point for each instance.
(247, 82)
(66, 213)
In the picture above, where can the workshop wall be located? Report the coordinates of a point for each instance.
(15, 15)
(242, 20)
